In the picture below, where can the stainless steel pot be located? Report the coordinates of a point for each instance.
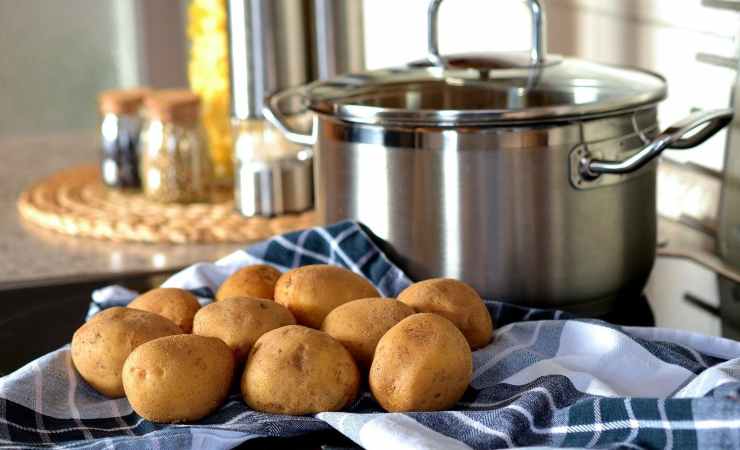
(531, 179)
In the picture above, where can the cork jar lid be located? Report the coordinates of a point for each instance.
(122, 101)
(179, 106)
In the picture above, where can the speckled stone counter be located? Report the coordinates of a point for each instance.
(30, 256)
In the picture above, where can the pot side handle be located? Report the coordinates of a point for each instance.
(274, 114)
(681, 135)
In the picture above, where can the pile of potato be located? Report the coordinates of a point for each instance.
(304, 342)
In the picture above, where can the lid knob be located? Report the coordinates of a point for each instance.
(537, 53)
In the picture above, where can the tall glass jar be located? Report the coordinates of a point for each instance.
(208, 73)
(175, 162)
(120, 125)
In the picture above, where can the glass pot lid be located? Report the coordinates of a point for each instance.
(561, 90)
(479, 89)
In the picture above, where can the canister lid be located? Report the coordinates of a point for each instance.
(487, 89)
(122, 101)
(179, 106)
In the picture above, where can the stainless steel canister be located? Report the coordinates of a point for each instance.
(337, 37)
(276, 44)
(531, 177)
(269, 50)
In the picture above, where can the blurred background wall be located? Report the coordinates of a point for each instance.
(55, 56)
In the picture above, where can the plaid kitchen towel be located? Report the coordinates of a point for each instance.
(547, 380)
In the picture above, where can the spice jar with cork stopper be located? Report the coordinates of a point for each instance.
(175, 163)
(120, 125)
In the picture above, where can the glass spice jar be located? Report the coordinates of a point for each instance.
(120, 126)
(175, 162)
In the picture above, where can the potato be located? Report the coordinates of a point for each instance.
(100, 347)
(298, 370)
(240, 321)
(178, 305)
(422, 364)
(359, 325)
(311, 292)
(178, 378)
(251, 281)
(457, 302)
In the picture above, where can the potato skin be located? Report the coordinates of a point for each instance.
(178, 378)
(178, 305)
(311, 292)
(455, 301)
(251, 281)
(240, 321)
(298, 370)
(101, 346)
(359, 325)
(422, 364)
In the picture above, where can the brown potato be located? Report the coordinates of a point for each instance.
(100, 347)
(311, 292)
(178, 305)
(455, 301)
(359, 325)
(298, 370)
(178, 378)
(422, 364)
(251, 281)
(240, 321)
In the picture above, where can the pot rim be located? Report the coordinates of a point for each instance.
(564, 89)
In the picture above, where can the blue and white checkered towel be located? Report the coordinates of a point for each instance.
(546, 380)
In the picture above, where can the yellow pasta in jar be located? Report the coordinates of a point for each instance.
(208, 71)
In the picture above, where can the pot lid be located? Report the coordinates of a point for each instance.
(486, 89)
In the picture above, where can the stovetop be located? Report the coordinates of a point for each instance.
(685, 295)
(632, 312)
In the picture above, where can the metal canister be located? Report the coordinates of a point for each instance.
(337, 38)
(274, 176)
(273, 45)
(268, 50)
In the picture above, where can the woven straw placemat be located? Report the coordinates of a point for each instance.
(75, 202)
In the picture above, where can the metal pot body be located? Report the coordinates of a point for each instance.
(499, 207)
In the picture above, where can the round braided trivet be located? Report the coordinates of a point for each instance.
(75, 202)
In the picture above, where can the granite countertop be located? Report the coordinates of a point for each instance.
(31, 256)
